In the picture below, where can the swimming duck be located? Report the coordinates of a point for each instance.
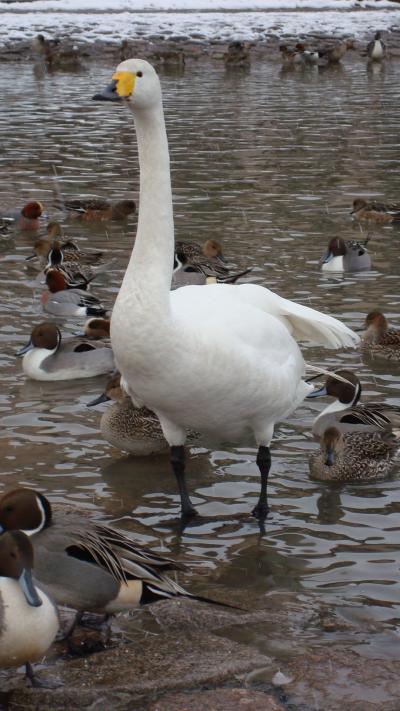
(379, 212)
(47, 358)
(96, 209)
(332, 55)
(378, 340)
(54, 54)
(346, 256)
(170, 57)
(60, 300)
(346, 413)
(221, 359)
(376, 49)
(25, 219)
(291, 57)
(354, 456)
(97, 328)
(310, 56)
(237, 55)
(86, 565)
(126, 427)
(28, 618)
(186, 274)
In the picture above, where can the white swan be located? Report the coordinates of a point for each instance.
(219, 359)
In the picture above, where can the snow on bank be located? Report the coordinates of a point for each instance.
(88, 21)
(190, 5)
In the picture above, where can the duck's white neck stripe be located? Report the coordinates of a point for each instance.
(32, 531)
(335, 406)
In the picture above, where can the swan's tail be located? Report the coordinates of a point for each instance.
(304, 323)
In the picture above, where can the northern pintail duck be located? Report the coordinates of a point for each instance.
(378, 340)
(86, 565)
(97, 328)
(186, 274)
(291, 57)
(28, 618)
(237, 55)
(332, 55)
(346, 413)
(382, 213)
(54, 53)
(46, 357)
(96, 209)
(220, 359)
(129, 428)
(310, 56)
(170, 57)
(77, 264)
(354, 456)
(60, 300)
(346, 256)
(25, 219)
(376, 49)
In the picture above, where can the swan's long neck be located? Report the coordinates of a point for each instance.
(149, 271)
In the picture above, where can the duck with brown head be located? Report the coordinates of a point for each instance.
(354, 456)
(46, 357)
(378, 340)
(28, 618)
(346, 256)
(346, 413)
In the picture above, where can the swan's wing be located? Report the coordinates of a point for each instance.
(304, 323)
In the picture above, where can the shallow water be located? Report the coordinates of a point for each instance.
(269, 163)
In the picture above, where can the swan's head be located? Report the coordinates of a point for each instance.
(136, 82)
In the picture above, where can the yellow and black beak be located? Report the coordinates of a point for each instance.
(121, 87)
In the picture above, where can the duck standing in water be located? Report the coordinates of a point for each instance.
(220, 360)
(28, 618)
(376, 49)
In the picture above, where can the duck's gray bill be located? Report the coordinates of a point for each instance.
(317, 393)
(102, 398)
(24, 349)
(26, 584)
(108, 94)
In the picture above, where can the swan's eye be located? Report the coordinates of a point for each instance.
(139, 74)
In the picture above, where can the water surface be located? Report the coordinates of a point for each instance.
(268, 162)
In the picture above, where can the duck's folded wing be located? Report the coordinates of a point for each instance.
(117, 554)
(304, 323)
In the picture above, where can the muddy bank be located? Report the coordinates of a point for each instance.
(182, 654)
(170, 50)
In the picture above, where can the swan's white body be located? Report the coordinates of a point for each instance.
(220, 359)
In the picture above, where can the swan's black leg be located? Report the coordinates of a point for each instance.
(178, 466)
(264, 464)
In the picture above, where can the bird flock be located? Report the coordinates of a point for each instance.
(190, 352)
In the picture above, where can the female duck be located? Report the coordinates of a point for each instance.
(126, 427)
(346, 413)
(221, 360)
(96, 209)
(28, 619)
(85, 565)
(354, 456)
(378, 212)
(47, 358)
(62, 300)
(378, 341)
